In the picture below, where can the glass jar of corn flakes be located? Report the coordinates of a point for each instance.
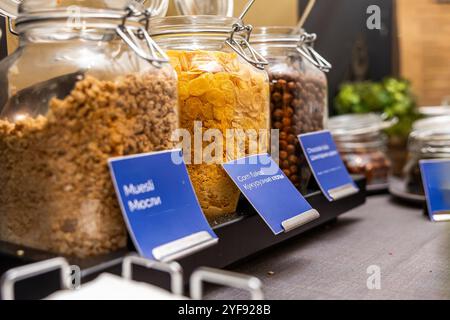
(298, 94)
(74, 94)
(223, 89)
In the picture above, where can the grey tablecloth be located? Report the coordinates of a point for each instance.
(412, 253)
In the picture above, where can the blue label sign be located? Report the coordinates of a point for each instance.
(436, 183)
(327, 166)
(271, 193)
(159, 205)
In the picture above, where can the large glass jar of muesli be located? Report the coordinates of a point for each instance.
(74, 94)
(298, 91)
(223, 98)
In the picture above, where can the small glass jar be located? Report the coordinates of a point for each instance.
(73, 95)
(422, 145)
(222, 90)
(363, 145)
(299, 94)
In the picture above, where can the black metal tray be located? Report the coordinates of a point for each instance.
(238, 239)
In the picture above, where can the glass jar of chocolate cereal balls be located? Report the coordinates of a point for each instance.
(223, 91)
(298, 94)
(73, 95)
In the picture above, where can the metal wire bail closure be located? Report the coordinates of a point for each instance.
(11, 27)
(9, 10)
(139, 39)
(306, 48)
(243, 48)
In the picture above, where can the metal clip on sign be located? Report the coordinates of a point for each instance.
(225, 278)
(173, 269)
(343, 191)
(11, 277)
(139, 40)
(203, 275)
(306, 48)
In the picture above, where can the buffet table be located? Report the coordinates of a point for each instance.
(331, 262)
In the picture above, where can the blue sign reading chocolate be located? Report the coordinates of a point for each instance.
(327, 165)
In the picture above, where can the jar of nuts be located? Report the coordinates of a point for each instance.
(425, 143)
(223, 98)
(362, 143)
(298, 94)
(78, 91)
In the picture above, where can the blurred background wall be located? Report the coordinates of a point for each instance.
(356, 53)
(266, 12)
(424, 39)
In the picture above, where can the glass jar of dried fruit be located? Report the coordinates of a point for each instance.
(425, 143)
(86, 83)
(299, 93)
(363, 145)
(223, 98)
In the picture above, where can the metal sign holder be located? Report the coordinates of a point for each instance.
(246, 235)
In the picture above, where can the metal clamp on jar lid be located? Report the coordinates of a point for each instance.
(306, 43)
(295, 38)
(130, 19)
(10, 9)
(237, 38)
(133, 37)
(241, 45)
(306, 48)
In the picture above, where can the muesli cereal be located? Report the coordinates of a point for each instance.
(56, 193)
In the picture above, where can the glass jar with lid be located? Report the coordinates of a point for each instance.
(362, 143)
(223, 91)
(86, 84)
(299, 93)
(425, 143)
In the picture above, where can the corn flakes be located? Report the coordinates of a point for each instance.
(225, 93)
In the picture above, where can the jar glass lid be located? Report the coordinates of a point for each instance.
(359, 124)
(277, 34)
(431, 123)
(435, 111)
(431, 141)
(158, 7)
(185, 25)
(205, 7)
(15, 8)
(9, 8)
